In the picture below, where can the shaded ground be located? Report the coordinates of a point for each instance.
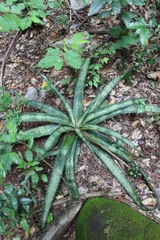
(142, 130)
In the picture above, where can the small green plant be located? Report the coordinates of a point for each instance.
(14, 209)
(71, 53)
(56, 4)
(94, 69)
(20, 14)
(68, 131)
(15, 202)
(62, 19)
(131, 28)
(65, 134)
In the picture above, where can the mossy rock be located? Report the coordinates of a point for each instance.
(105, 219)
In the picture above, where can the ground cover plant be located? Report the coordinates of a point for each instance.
(68, 131)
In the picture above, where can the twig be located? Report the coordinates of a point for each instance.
(6, 56)
(81, 19)
(83, 196)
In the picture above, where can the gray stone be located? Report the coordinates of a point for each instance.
(78, 4)
(31, 94)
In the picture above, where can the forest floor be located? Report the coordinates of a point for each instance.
(28, 48)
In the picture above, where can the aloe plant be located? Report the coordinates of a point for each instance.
(69, 130)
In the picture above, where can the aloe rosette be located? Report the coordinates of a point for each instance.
(69, 130)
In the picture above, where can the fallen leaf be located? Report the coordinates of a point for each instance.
(32, 230)
(154, 75)
(106, 230)
(149, 201)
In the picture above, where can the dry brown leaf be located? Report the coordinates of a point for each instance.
(154, 75)
(32, 230)
(149, 201)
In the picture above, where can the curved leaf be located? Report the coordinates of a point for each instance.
(48, 109)
(79, 89)
(113, 150)
(41, 131)
(70, 170)
(43, 117)
(96, 6)
(100, 98)
(56, 176)
(52, 140)
(65, 103)
(131, 109)
(109, 132)
(120, 176)
(112, 108)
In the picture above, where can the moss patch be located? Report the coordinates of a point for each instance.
(105, 219)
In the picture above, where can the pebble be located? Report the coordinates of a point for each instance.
(31, 94)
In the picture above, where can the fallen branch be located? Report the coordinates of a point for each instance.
(6, 57)
(82, 197)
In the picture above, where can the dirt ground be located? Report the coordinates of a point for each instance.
(27, 49)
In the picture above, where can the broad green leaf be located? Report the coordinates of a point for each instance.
(96, 6)
(44, 177)
(25, 201)
(116, 7)
(144, 34)
(9, 212)
(73, 59)
(49, 218)
(17, 8)
(4, 8)
(34, 179)
(13, 21)
(9, 158)
(24, 225)
(4, 26)
(152, 22)
(29, 155)
(25, 23)
(2, 227)
(125, 41)
(11, 2)
(51, 59)
(140, 23)
(127, 17)
(9, 189)
(136, 2)
(14, 202)
(79, 38)
(36, 19)
(105, 14)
